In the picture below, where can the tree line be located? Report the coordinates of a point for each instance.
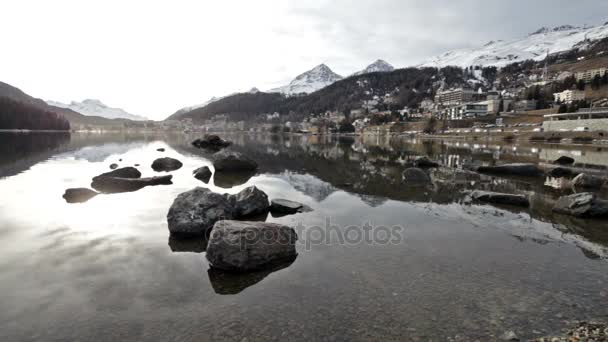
(18, 115)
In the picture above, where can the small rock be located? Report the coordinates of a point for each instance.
(516, 169)
(425, 162)
(560, 172)
(251, 201)
(587, 181)
(500, 198)
(509, 336)
(124, 172)
(232, 161)
(166, 164)
(211, 142)
(112, 185)
(203, 174)
(160, 149)
(79, 195)
(416, 177)
(584, 204)
(284, 206)
(564, 160)
(113, 166)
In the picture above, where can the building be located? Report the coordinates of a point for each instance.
(468, 110)
(589, 75)
(592, 119)
(525, 105)
(453, 97)
(568, 96)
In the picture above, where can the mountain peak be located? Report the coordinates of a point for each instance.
(93, 107)
(310, 81)
(545, 29)
(379, 65)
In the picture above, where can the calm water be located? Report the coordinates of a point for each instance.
(107, 269)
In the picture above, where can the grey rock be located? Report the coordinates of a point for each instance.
(516, 169)
(584, 204)
(245, 246)
(194, 212)
(232, 161)
(416, 177)
(509, 336)
(160, 149)
(425, 162)
(125, 172)
(564, 160)
(79, 195)
(500, 198)
(166, 164)
(113, 166)
(229, 179)
(203, 174)
(111, 185)
(587, 181)
(285, 206)
(251, 201)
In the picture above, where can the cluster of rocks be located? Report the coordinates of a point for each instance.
(211, 142)
(233, 245)
(582, 331)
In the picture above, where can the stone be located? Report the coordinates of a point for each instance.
(416, 177)
(585, 204)
(509, 336)
(160, 149)
(243, 246)
(229, 179)
(232, 161)
(79, 195)
(211, 142)
(251, 201)
(425, 162)
(285, 206)
(203, 174)
(516, 169)
(564, 160)
(125, 172)
(194, 212)
(113, 166)
(587, 181)
(166, 164)
(112, 185)
(500, 198)
(561, 172)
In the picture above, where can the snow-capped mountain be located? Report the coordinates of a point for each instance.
(317, 78)
(90, 107)
(535, 46)
(378, 66)
(213, 99)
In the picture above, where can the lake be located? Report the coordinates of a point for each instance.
(107, 269)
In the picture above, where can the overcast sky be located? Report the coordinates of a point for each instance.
(154, 57)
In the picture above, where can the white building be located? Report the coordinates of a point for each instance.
(468, 110)
(589, 75)
(568, 96)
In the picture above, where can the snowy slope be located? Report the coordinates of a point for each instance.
(534, 46)
(378, 66)
(91, 107)
(317, 78)
(211, 100)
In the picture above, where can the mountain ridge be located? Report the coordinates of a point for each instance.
(94, 107)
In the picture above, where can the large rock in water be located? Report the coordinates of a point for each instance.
(194, 212)
(560, 172)
(166, 164)
(564, 160)
(251, 201)
(125, 172)
(416, 177)
(232, 161)
(203, 174)
(500, 198)
(425, 162)
(211, 142)
(246, 246)
(588, 181)
(284, 206)
(79, 195)
(516, 169)
(584, 204)
(112, 185)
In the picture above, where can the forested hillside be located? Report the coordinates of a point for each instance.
(20, 115)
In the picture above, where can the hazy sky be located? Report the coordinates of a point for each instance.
(154, 57)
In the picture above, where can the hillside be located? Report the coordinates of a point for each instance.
(19, 115)
(91, 107)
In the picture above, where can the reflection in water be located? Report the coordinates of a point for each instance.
(229, 179)
(198, 245)
(230, 283)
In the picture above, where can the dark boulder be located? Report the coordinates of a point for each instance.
(561, 172)
(246, 246)
(194, 212)
(112, 185)
(584, 204)
(211, 142)
(586, 181)
(500, 198)
(113, 166)
(414, 176)
(425, 162)
(564, 160)
(160, 149)
(203, 174)
(284, 206)
(229, 179)
(251, 201)
(516, 169)
(233, 161)
(125, 172)
(79, 195)
(166, 164)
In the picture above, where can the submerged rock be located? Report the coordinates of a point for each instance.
(229, 179)
(416, 177)
(125, 172)
(251, 201)
(79, 195)
(246, 246)
(500, 198)
(211, 142)
(232, 161)
(203, 174)
(516, 169)
(284, 206)
(425, 162)
(166, 164)
(111, 185)
(113, 166)
(584, 204)
(564, 160)
(588, 181)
